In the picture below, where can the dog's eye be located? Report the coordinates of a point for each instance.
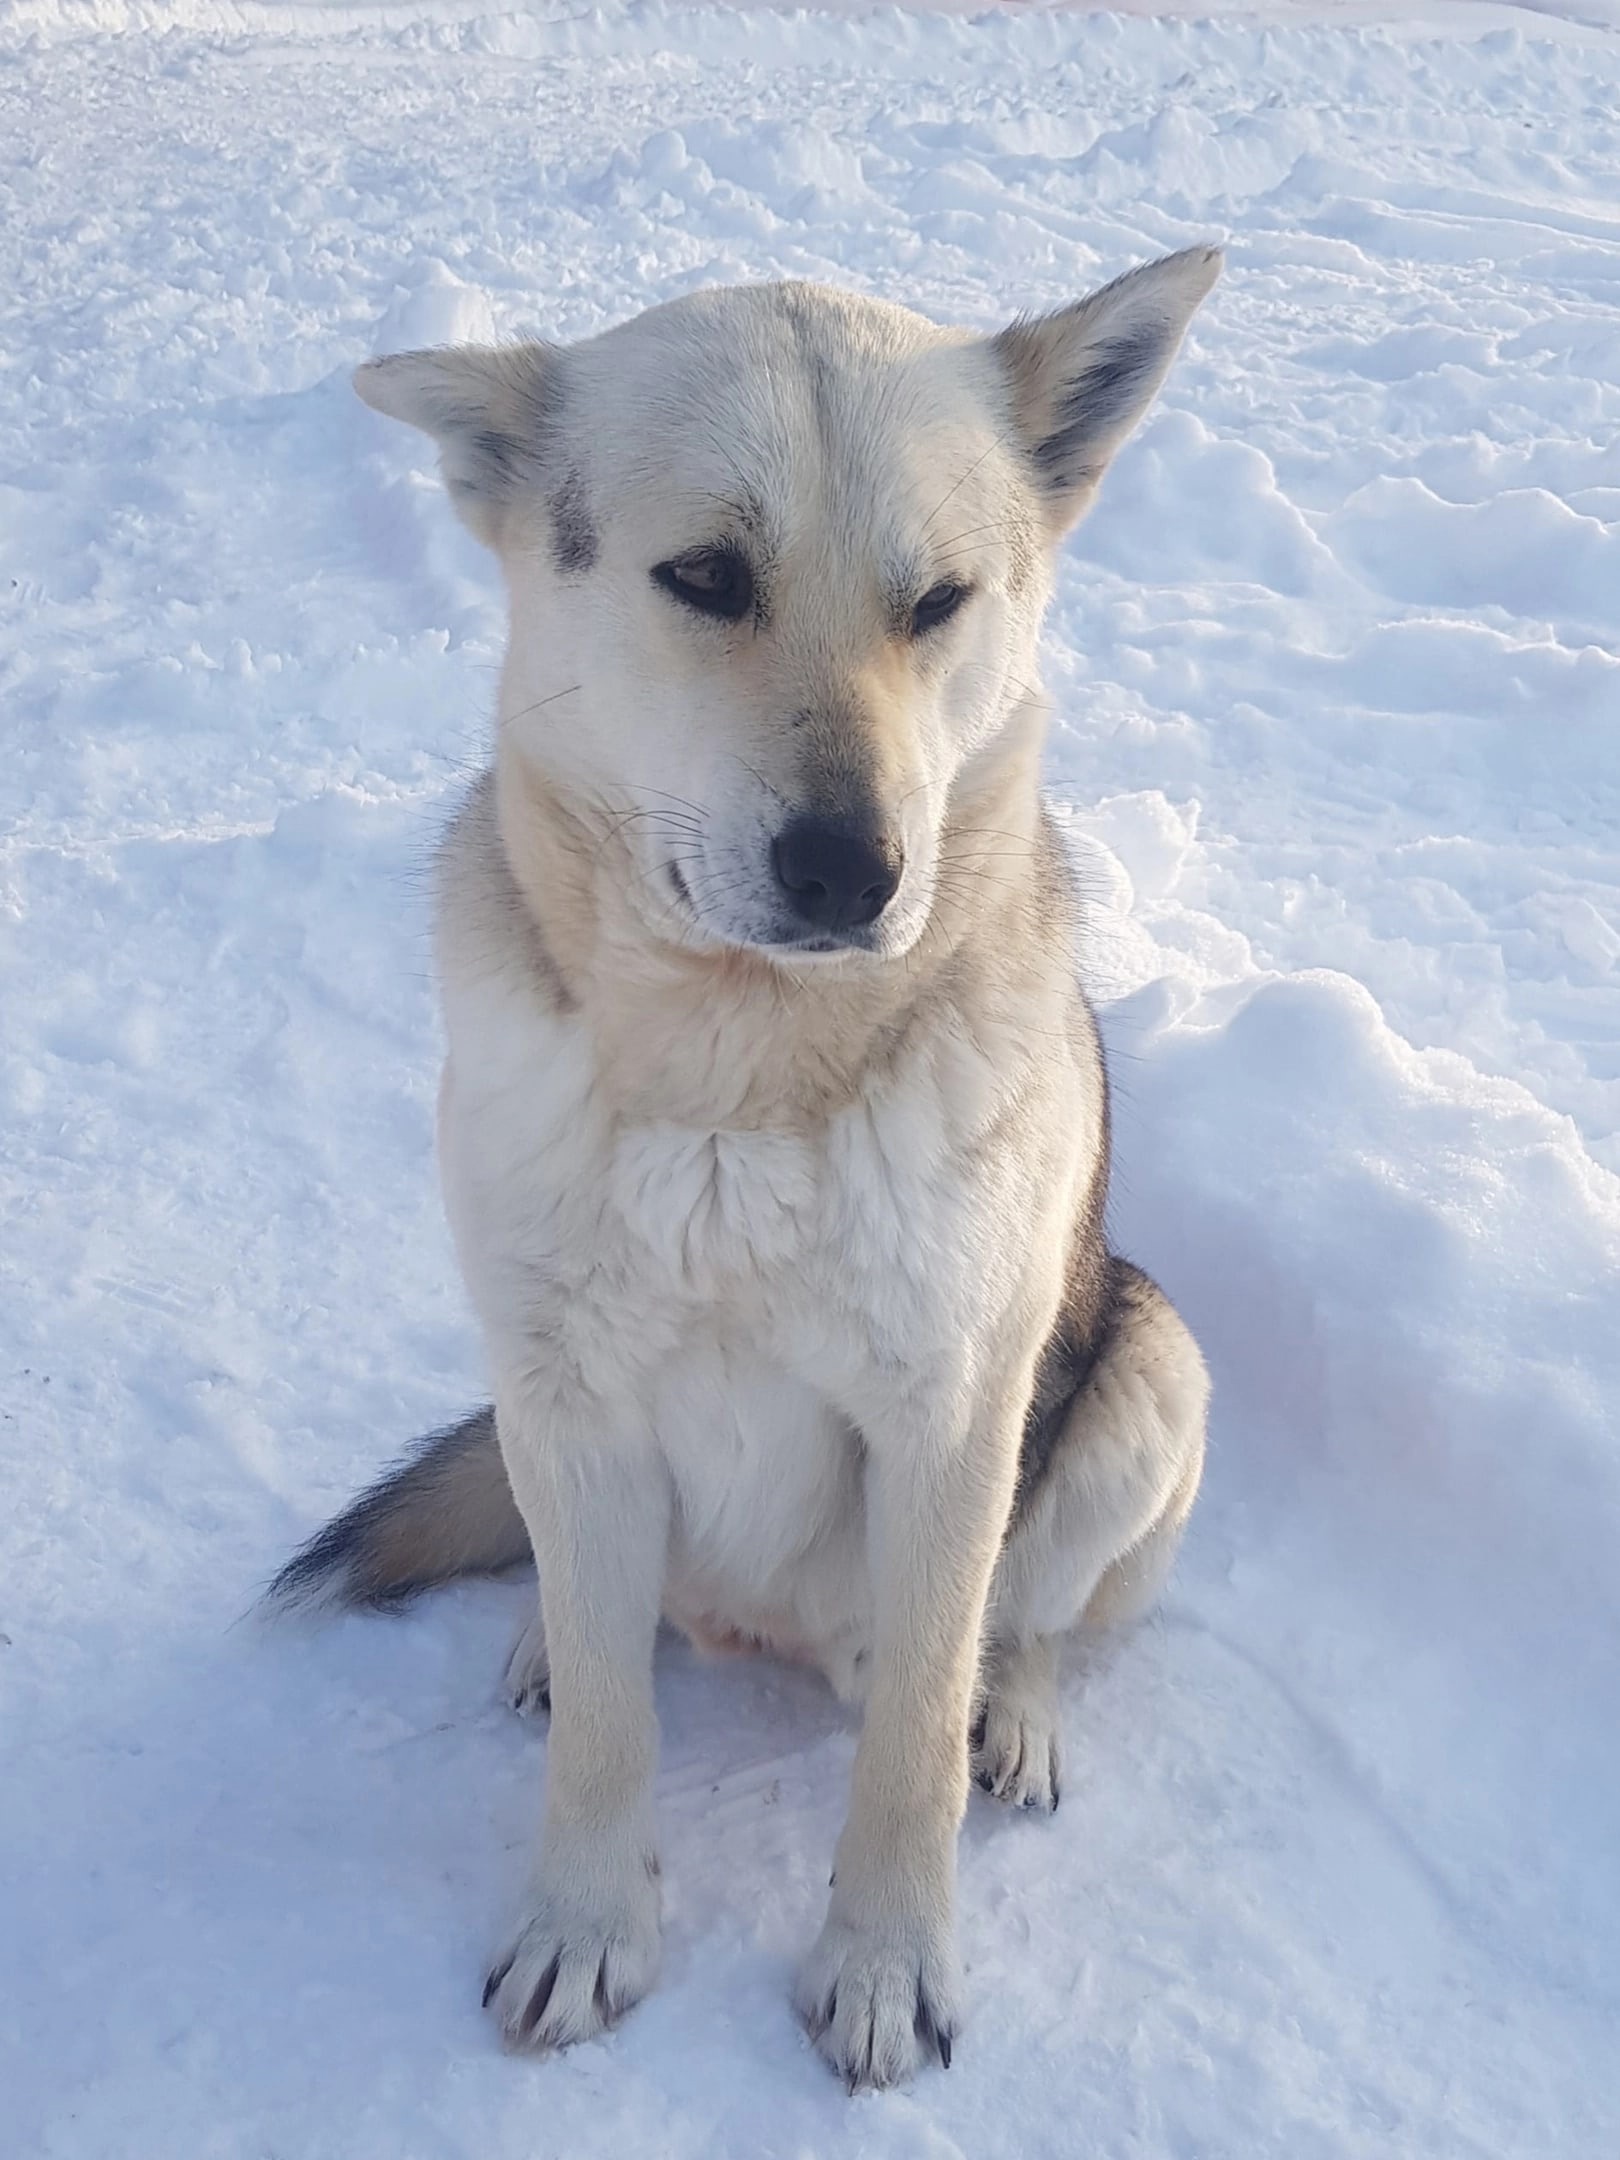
(937, 606)
(714, 581)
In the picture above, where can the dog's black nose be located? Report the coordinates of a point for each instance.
(836, 872)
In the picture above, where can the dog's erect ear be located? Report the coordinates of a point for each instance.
(1082, 378)
(490, 408)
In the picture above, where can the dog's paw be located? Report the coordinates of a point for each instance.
(879, 2000)
(1017, 1749)
(572, 1973)
(528, 1672)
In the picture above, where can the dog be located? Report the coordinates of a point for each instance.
(774, 1125)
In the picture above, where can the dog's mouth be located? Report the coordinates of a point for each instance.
(809, 946)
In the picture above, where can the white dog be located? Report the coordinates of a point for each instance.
(774, 1128)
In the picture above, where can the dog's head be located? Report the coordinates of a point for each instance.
(777, 558)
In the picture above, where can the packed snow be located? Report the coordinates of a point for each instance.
(1337, 673)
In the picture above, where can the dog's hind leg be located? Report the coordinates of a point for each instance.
(1131, 1586)
(528, 1669)
(1094, 1530)
(1017, 1748)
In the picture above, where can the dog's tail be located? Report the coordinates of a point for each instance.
(445, 1511)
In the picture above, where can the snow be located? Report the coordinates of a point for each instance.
(1338, 669)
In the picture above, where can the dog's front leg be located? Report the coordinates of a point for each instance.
(595, 1497)
(881, 1986)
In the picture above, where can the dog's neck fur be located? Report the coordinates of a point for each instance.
(723, 1038)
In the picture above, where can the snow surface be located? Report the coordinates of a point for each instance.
(1338, 665)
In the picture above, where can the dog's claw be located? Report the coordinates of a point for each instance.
(572, 1972)
(1016, 1763)
(538, 2000)
(497, 1973)
(878, 2005)
(932, 2033)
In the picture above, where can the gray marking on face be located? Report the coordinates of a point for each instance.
(573, 531)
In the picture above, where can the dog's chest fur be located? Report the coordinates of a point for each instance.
(843, 1241)
(759, 1288)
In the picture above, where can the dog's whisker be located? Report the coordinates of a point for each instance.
(526, 712)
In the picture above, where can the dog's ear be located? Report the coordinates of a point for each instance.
(490, 408)
(1081, 379)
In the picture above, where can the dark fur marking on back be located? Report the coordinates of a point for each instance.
(1096, 1283)
(1072, 1354)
